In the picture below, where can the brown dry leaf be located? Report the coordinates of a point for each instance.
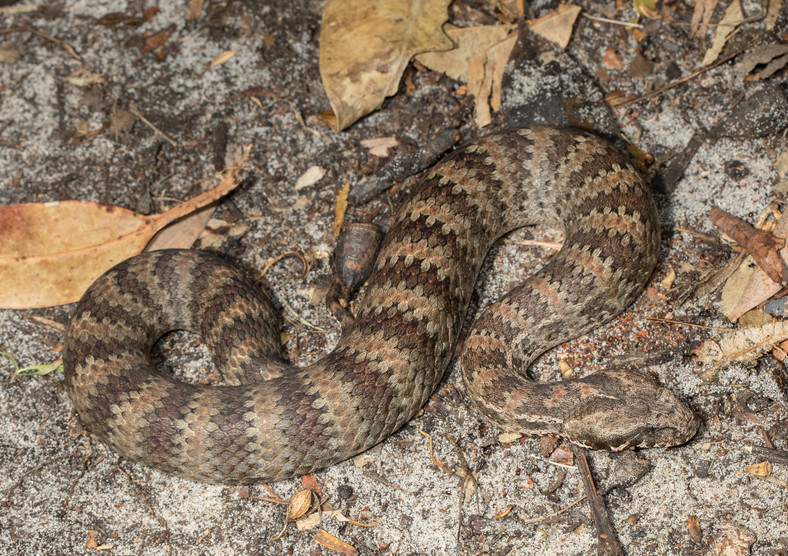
(211, 232)
(734, 540)
(701, 17)
(763, 469)
(773, 56)
(365, 47)
(470, 41)
(309, 482)
(340, 208)
(479, 60)
(759, 287)
(51, 252)
(157, 39)
(772, 11)
(746, 344)
(557, 25)
(725, 28)
(563, 455)
(195, 8)
(299, 504)
(485, 74)
(332, 543)
(693, 526)
(612, 59)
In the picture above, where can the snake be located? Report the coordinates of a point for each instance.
(269, 420)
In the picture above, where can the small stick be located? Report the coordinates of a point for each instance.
(28, 29)
(606, 535)
(679, 81)
(156, 130)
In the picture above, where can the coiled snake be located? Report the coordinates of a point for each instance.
(272, 421)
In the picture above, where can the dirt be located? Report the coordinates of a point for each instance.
(62, 492)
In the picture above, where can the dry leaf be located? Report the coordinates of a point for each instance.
(763, 469)
(693, 526)
(379, 146)
(773, 56)
(701, 17)
(485, 74)
(563, 455)
(746, 344)
(157, 39)
(759, 286)
(781, 164)
(340, 208)
(8, 53)
(299, 504)
(211, 232)
(365, 47)
(84, 78)
(566, 369)
(51, 252)
(667, 281)
(509, 437)
(470, 41)
(332, 543)
(195, 8)
(772, 11)
(612, 59)
(309, 482)
(725, 28)
(223, 57)
(735, 540)
(312, 175)
(557, 25)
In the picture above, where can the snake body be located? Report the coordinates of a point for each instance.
(272, 421)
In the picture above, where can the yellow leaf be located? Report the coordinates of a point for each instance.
(365, 46)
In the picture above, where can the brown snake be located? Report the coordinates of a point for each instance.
(272, 421)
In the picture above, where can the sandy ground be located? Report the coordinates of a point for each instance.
(63, 493)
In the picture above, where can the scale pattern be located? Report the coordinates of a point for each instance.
(273, 421)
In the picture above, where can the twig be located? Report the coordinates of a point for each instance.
(156, 130)
(672, 321)
(295, 254)
(28, 29)
(554, 514)
(535, 243)
(434, 459)
(679, 81)
(383, 481)
(606, 535)
(148, 504)
(613, 21)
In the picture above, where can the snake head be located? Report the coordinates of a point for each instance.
(633, 412)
